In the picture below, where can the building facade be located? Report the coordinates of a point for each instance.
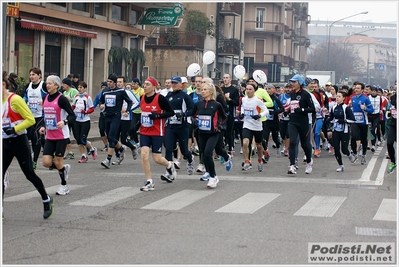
(94, 39)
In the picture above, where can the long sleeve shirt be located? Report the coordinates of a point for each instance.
(113, 101)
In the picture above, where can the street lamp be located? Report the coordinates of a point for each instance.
(329, 31)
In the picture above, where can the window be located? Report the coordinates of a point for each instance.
(99, 9)
(117, 12)
(260, 18)
(59, 4)
(133, 43)
(116, 40)
(134, 16)
(80, 6)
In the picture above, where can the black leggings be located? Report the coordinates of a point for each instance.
(19, 147)
(207, 143)
(375, 126)
(101, 125)
(81, 131)
(135, 126)
(124, 129)
(219, 147)
(274, 127)
(390, 141)
(340, 138)
(36, 139)
(229, 135)
(303, 131)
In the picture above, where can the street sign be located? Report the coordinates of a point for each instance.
(13, 9)
(162, 16)
(381, 66)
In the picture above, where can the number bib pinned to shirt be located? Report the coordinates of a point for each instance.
(145, 120)
(204, 122)
(51, 121)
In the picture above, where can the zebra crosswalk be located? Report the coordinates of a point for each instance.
(247, 203)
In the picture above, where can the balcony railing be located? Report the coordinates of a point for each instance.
(268, 27)
(231, 9)
(177, 38)
(230, 46)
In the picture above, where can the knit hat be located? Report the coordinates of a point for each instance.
(104, 84)
(67, 81)
(136, 80)
(112, 77)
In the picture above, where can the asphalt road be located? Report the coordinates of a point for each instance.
(251, 217)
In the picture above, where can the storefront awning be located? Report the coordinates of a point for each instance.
(42, 25)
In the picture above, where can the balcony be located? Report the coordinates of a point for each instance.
(275, 28)
(176, 39)
(231, 9)
(230, 46)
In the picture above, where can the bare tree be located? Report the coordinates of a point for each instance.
(344, 60)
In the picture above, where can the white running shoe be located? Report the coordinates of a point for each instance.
(176, 162)
(292, 169)
(201, 168)
(63, 190)
(340, 168)
(212, 182)
(190, 168)
(309, 168)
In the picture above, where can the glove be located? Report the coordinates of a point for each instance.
(285, 113)
(179, 115)
(9, 130)
(341, 121)
(154, 116)
(298, 110)
(83, 111)
(271, 112)
(256, 117)
(241, 116)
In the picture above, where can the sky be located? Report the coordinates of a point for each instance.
(378, 11)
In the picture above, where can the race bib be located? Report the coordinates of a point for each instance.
(110, 100)
(204, 122)
(358, 117)
(33, 106)
(174, 119)
(339, 127)
(394, 112)
(248, 112)
(293, 105)
(80, 116)
(270, 117)
(51, 121)
(145, 120)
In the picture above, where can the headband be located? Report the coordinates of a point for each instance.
(152, 81)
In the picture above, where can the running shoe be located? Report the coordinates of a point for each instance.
(148, 186)
(135, 152)
(317, 153)
(247, 165)
(391, 168)
(212, 182)
(353, 157)
(195, 151)
(83, 160)
(105, 148)
(93, 153)
(292, 169)
(176, 162)
(340, 168)
(6, 180)
(278, 153)
(260, 166)
(105, 163)
(70, 155)
(373, 149)
(205, 177)
(190, 168)
(228, 164)
(48, 208)
(363, 160)
(201, 168)
(309, 168)
(117, 162)
(121, 155)
(63, 190)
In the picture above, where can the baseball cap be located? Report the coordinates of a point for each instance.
(184, 80)
(67, 81)
(297, 78)
(269, 85)
(328, 83)
(176, 79)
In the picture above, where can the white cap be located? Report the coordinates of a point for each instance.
(184, 80)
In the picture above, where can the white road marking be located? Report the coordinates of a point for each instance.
(249, 203)
(179, 200)
(321, 206)
(108, 197)
(34, 194)
(381, 172)
(387, 210)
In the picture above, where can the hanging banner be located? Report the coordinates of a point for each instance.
(162, 16)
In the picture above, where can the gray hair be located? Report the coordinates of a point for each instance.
(55, 79)
(207, 80)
